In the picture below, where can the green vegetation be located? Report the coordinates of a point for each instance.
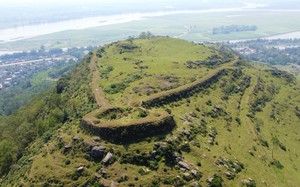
(239, 128)
(44, 114)
(28, 80)
(233, 28)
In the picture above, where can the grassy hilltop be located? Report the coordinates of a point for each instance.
(166, 112)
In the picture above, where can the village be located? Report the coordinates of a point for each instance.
(12, 72)
(21, 66)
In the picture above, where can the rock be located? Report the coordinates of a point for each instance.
(80, 169)
(194, 172)
(97, 139)
(207, 148)
(187, 132)
(103, 172)
(75, 138)
(113, 184)
(182, 169)
(229, 175)
(182, 118)
(190, 118)
(67, 148)
(163, 145)
(144, 171)
(97, 176)
(98, 151)
(186, 123)
(178, 157)
(156, 145)
(187, 176)
(218, 107)
(220, 161)
(208, 181)
(248, 182)
(153, 154)
(192, 114)
(107, 158)
(184, 165)
(195, 184)
(87, 147)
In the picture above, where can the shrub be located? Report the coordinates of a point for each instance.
(216, 181)
(115, 88)
(277, 164)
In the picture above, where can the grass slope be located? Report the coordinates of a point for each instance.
(225, 130)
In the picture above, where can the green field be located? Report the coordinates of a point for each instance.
(193, 27)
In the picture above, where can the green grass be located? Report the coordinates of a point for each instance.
(217, 106)
(159, 55)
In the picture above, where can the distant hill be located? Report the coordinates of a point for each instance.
(158, 111)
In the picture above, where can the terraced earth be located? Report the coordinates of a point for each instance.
(166, 112)
(134, 94)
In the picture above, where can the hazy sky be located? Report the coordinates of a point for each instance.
(26, 2)
(16, 3)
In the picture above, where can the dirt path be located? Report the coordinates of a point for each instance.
(90, 118)
(245, 105)
(97, 90)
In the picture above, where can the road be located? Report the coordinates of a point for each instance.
(29, 62)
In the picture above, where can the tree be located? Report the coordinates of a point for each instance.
(7, 156)
(146, 35)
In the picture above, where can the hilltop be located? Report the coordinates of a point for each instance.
(161, 111)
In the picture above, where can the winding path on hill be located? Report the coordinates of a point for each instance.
(245, 107)
(163, 121)
(97, 90)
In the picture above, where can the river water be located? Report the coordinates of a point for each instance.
(290, 35)
(30, 31)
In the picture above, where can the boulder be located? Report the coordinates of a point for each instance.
(97, 176)
(98, 151)
(208, 181)
(107, 158)
(229, 175)
(187, 132)
(144, 171)
(67, 148)
(80, 169)
(194, 172)
(113, 184)
(184, 165)
(75, 138)
(195, 184)
(97, 139)
(187, 176)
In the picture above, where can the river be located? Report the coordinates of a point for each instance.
(30, 31)
(290, 35)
